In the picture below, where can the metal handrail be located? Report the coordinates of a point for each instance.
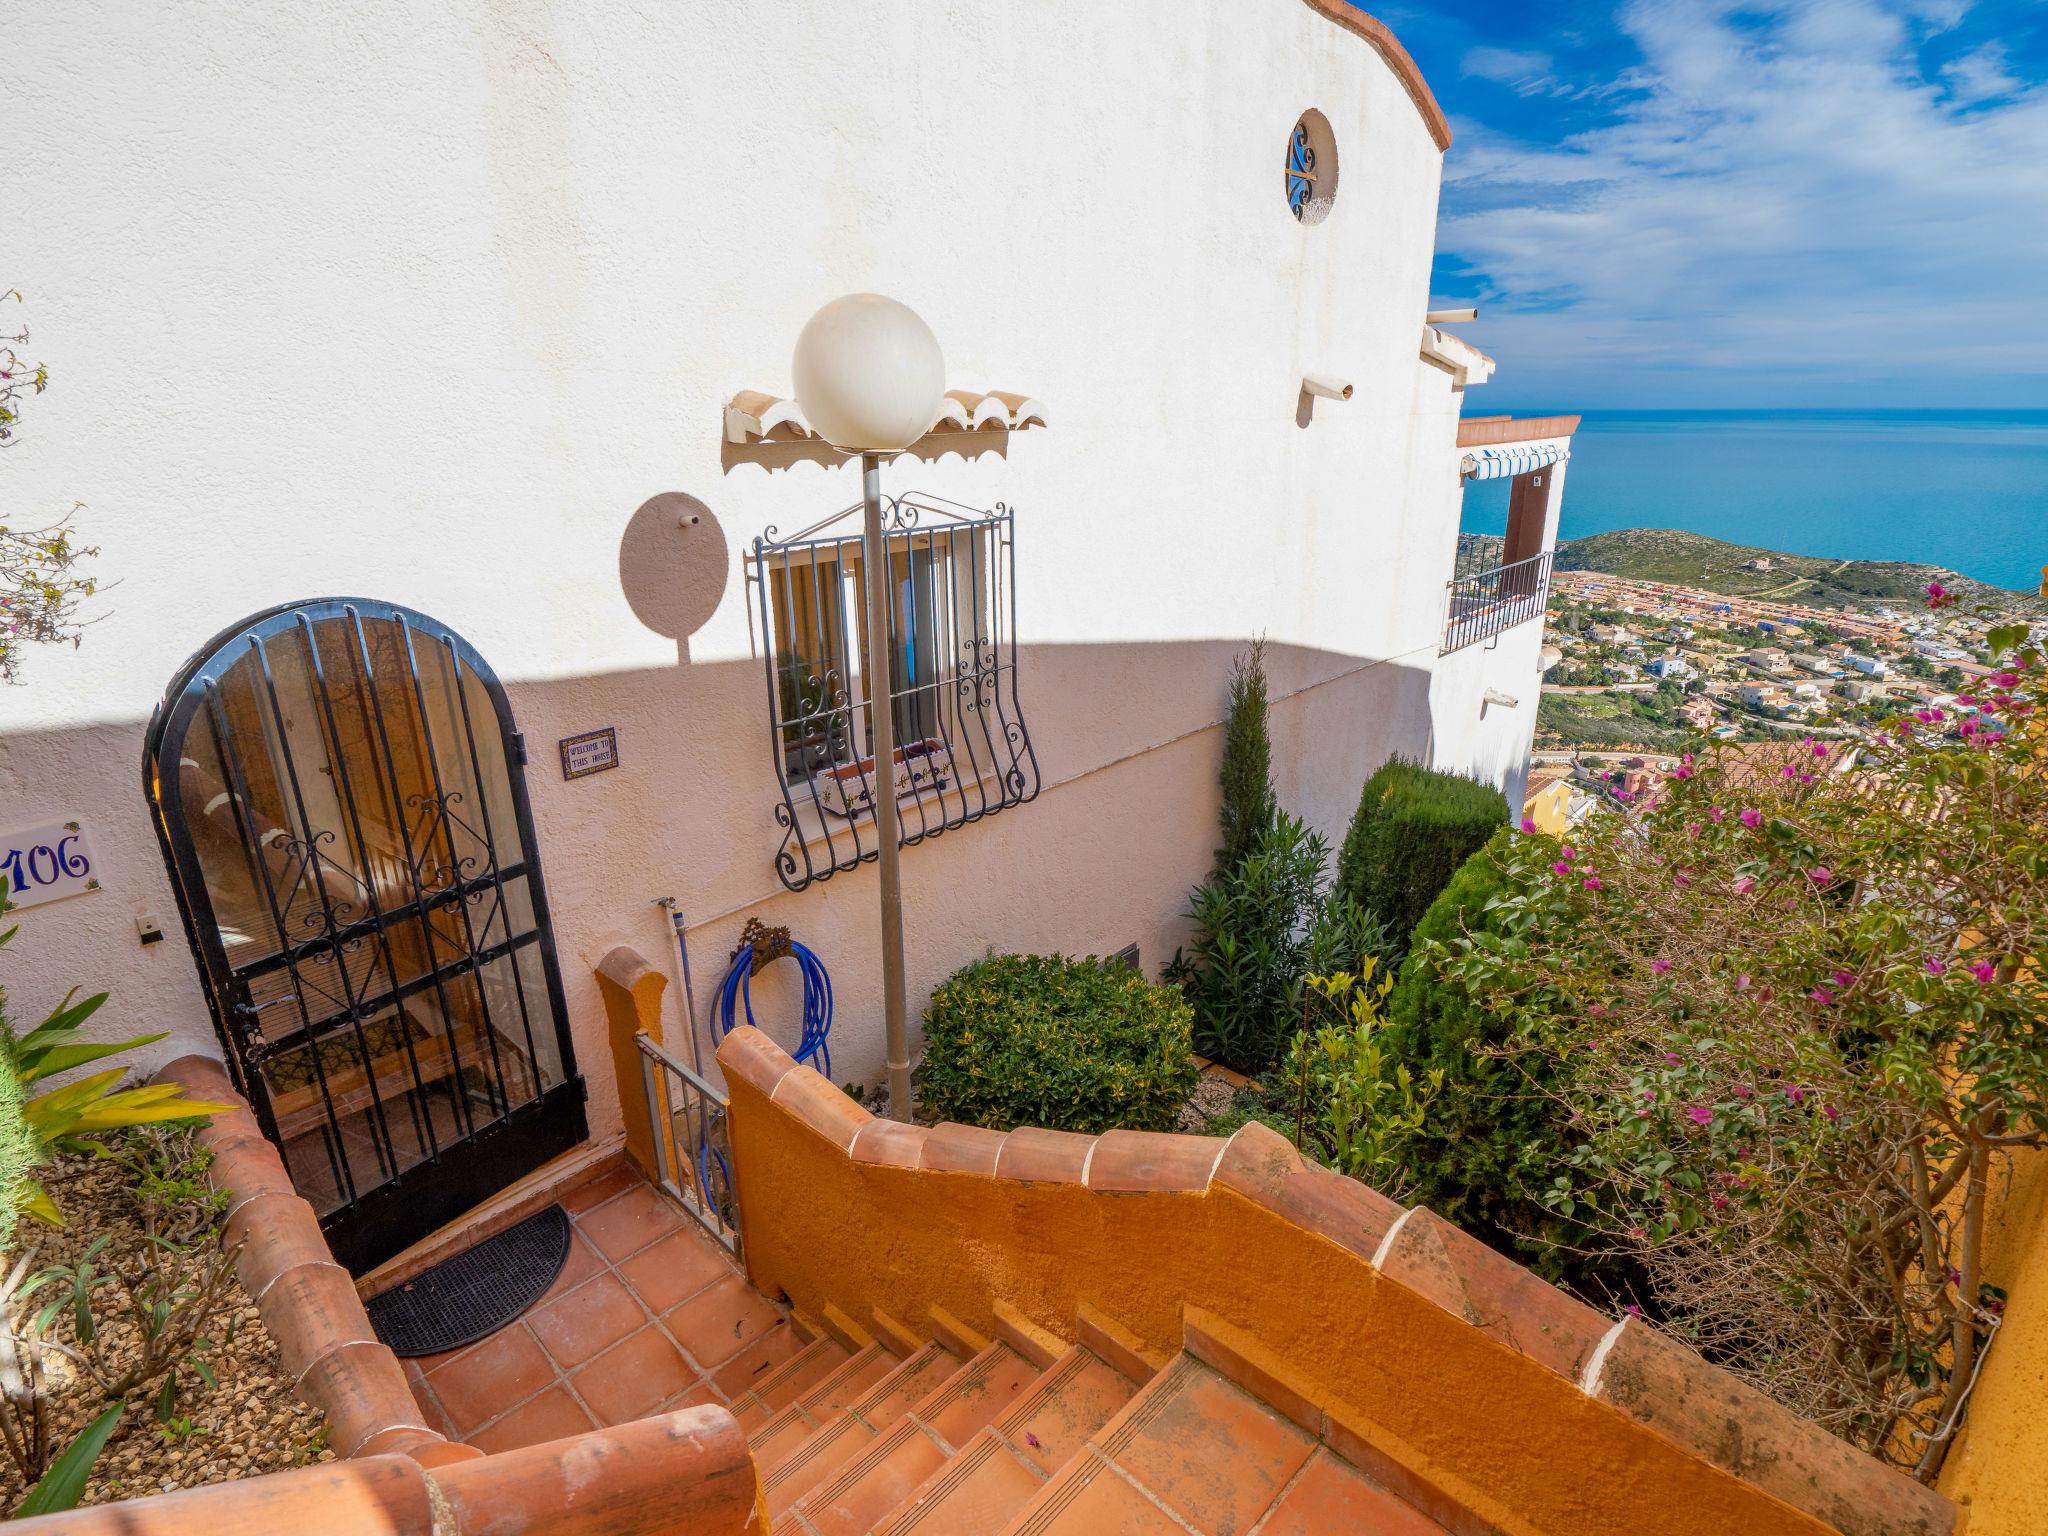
(692, 1142)
(1487, 603)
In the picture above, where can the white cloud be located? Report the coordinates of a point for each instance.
(1508, 66)
(1782, 188)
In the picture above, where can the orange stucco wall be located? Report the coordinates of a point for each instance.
(1998, 1472)
(1520, 1445)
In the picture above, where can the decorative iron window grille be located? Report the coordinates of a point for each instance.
(1489, 602)
(962, 748)
(1301, 170)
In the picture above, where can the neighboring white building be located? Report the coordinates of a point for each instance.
(1869, 666)
(1670, 667)
(482, 315)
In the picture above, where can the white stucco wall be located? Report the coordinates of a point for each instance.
(422, 301)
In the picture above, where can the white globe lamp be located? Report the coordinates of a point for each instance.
(869, 379)
(869, 376)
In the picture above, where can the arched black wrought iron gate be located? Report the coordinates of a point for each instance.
(339, 792)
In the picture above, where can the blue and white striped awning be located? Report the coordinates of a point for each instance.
(1511, 459)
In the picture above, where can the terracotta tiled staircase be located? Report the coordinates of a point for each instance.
(876, 1430)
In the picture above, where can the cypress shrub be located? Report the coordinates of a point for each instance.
(1413, 829)
(1076, 1045)
(1249, 805)
(1493, 1137)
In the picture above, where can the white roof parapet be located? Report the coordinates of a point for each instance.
(1467, 364)
(753, 416)
(1510, 459)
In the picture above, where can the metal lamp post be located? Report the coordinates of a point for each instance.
(870, 378)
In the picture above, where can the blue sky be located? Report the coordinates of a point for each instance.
(1700, 203)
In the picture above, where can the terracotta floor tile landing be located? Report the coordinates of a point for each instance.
(597, 1350)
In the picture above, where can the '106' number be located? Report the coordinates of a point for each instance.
(44, 865)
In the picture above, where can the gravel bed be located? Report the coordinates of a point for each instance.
(251, 1424)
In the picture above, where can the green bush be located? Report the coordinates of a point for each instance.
(1413, 829)
(1077, 1045)
(1249, 804)
(1261, 927)
(1493, 1137)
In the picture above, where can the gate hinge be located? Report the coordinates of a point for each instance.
(519, 748)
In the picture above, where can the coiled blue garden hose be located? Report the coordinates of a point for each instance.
(817, 1022)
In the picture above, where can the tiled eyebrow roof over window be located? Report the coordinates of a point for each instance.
(1388, 47)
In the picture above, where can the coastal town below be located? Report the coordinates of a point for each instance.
(1639, 670)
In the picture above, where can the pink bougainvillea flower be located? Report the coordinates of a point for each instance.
(1716, 815)
(1820, 748)
(1752, 818)
(1699, 1114)
(1795, 1093)
(1591, 882)
(1968, 729)
(1741, 1091)
(1843, 978)
(2007, 679)
(1984, 970)
(1966, 698)
(1671, 1058)
(1742, 982)
(1788, 771)
(1599, 1011)
(1561, 867)
(1719, 1202)
(1936, 967)
(1682, 880)
(1928, 716)
(1820, 874)
(1822, 996)
(1566, 850)
(1528, 824)
(1806, 778)
(1660, 966)
(1692, 830)
(1831, 1112)
(1745, 885)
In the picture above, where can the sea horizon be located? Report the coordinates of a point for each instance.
(1964, 489)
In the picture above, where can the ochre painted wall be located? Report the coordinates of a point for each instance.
(1519, 1444)
(1998, 1472)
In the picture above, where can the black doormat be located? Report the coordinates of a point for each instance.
(479, 1291)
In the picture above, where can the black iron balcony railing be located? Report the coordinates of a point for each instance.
(1486, 603)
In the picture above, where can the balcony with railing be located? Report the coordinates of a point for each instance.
(1488, 601)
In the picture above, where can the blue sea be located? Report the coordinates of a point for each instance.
(1964, 489)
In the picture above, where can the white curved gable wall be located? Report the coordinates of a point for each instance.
(423, 301)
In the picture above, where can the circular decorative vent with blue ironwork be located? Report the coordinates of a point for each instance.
(1311, 168)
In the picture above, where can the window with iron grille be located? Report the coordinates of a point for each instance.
(962, 750)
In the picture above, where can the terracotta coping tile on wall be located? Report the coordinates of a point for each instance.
(954, 1148)
(1133, 1162)
(889, 1144)
(753, 1057)
(1468, 1279)
(1659, 1383)
(363, 1392)
(824, 1108)
(1040, 1156)
(1263, 1166)
(326, 1315)
(292, 1238)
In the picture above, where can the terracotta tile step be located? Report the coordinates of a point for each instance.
(1193, 1450)
(824, 1402)
(845, 1437)
(980, 1490)
(789, 1381)
(909, 1453)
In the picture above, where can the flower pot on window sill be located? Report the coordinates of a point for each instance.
(847, 791)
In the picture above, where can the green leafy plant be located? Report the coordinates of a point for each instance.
(1488, 1155)
(1413, 828)
(1356, 1106)
(1261, 927)
(1793, 1018)
(1077, 1045)
(63, 1485)
(58, 1117)
(1249, 805)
